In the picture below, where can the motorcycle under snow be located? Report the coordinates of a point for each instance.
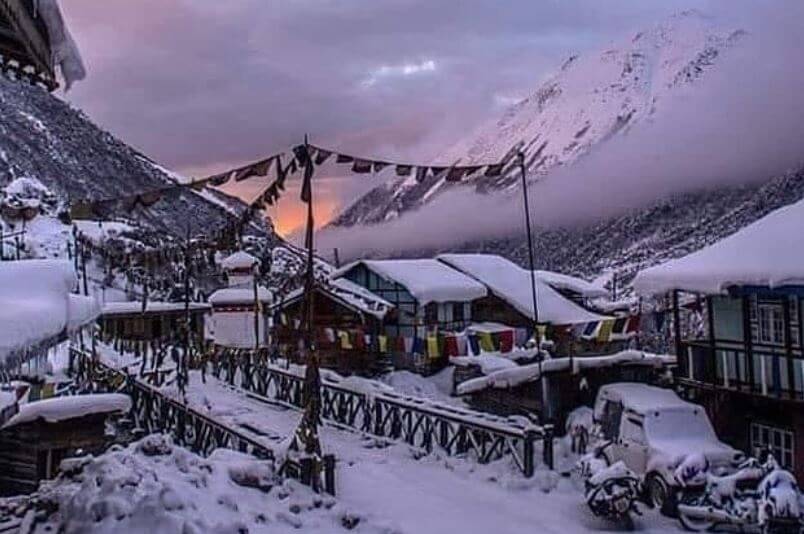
(762, 496)
(611, 491)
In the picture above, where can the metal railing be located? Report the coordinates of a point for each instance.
(153, 411)
(420, 423)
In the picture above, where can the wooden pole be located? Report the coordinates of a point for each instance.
(256, 311)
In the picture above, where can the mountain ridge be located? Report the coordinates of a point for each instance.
(590, 99)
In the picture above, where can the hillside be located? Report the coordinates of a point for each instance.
(42, 137)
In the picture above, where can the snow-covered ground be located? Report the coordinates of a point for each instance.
(397, 488)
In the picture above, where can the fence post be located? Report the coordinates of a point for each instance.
(528, 451)
(549, 432)
(329, 474)
(306, 464)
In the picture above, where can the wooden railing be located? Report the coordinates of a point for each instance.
(153, 411)
(426, 425)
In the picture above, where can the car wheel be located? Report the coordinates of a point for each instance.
(661, 495)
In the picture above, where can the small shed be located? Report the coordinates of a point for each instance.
(554, 387)
(158, 321)
(35, 440)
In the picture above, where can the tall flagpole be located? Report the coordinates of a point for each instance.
(521, 157)
(546, 409)
(306, 437)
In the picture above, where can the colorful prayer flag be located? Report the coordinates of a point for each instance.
(432, 347)
(605, 331)
(486, 343)
(346, 343)
(506, 341)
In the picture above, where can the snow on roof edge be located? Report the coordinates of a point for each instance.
(768, 252)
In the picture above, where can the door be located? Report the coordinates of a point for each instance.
(633, 445)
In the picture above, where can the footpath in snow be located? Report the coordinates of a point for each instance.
(394, 485)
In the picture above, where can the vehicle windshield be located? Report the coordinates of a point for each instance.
(679, 424)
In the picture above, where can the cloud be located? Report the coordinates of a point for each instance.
(744, 123)
(203, 84)
(404, 70)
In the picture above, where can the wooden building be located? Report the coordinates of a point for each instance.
(426, 294)
(737, 324)
(341, 308)
(158, 321)
(35, 441)
(562, 301)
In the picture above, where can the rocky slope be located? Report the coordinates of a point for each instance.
(42, 137)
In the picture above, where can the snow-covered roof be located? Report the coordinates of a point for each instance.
(572, 283)
(37, 306)
(240, 295)
(126, 308)
(239, 260)
(515, 376)
(427, 280)
(8, 405)
(769, 252)
(512, 283)
(351, 295)
(65, 408)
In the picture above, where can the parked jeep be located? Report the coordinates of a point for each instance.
(652, 431)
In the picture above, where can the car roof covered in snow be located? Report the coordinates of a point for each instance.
(428, 280)
(769, 252)
(642, 398)
(512, 283)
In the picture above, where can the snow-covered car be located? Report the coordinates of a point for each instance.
(652, 431)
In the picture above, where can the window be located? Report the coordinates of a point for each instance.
(431, 313)
(771, 324)
(610, 425)
(457, 312)
(633, 431)
(777, 441)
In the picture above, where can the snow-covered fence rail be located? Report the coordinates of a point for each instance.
(153, 411)
(424, 424)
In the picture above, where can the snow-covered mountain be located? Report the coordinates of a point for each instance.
(43, 138)
(589, 100)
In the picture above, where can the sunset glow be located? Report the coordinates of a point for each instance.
(290, 216)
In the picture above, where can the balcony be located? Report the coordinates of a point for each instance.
(765, 371)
